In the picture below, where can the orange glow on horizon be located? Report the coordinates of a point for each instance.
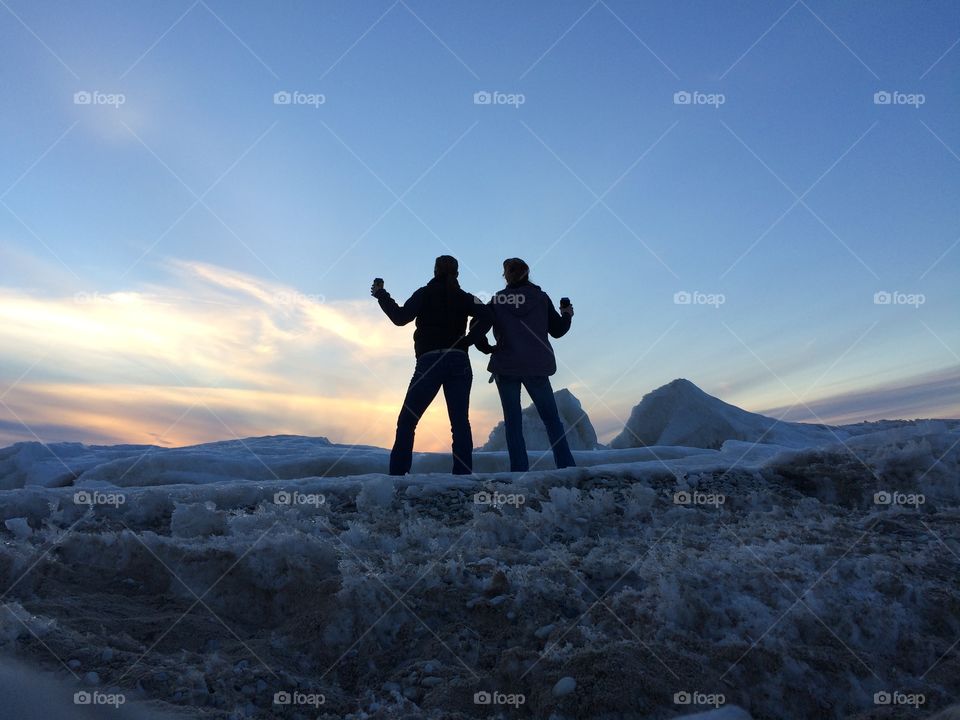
(178, 416)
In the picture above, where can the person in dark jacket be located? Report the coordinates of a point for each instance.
(441, 309)
(523, 316)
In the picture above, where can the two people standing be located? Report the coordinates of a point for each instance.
(522, 318)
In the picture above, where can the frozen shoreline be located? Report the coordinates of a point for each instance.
(776, 581)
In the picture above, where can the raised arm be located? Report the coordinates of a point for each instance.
(400, 314)
(558, 323)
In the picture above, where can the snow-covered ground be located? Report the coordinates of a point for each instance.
(225, 580)
(32, 464)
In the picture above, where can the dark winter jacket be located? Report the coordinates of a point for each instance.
(523, 316)
(441, 312)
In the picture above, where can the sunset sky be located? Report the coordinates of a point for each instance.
(186, 257)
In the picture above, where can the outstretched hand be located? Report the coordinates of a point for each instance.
(376, 287)
(567, 310)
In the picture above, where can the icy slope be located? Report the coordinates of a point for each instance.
(580, 432)
(280, 457)
(778, 583)
(680, 413)
(287, 457)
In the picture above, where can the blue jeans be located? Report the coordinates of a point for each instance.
(538, 386)
(450, 370)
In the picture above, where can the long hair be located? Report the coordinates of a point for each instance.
(515, 271)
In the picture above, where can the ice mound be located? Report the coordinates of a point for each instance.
(269, 459)
(29, 464)
(680, 413)
(580, 432)
(919, 460)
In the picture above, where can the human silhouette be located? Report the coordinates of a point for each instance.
(523, 319)
(441, 309)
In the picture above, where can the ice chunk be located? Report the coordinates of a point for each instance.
(564, 686)
(580, 432)
(680, 413)
(19, 527)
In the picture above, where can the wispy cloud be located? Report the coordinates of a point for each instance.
(207, 354)
(213, 327)
(934, 394)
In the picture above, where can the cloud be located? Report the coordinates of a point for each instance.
(181, 415)
(209, 323)
(934, 394)
(926, 395)
(207, 354)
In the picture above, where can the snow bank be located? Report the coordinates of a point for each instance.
(644, 587)
(29, 464)
(580, 432)
(251, 460)
(917, 462)
(680, 413)
(32, 463)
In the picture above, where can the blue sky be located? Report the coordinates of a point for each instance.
(193, 263)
